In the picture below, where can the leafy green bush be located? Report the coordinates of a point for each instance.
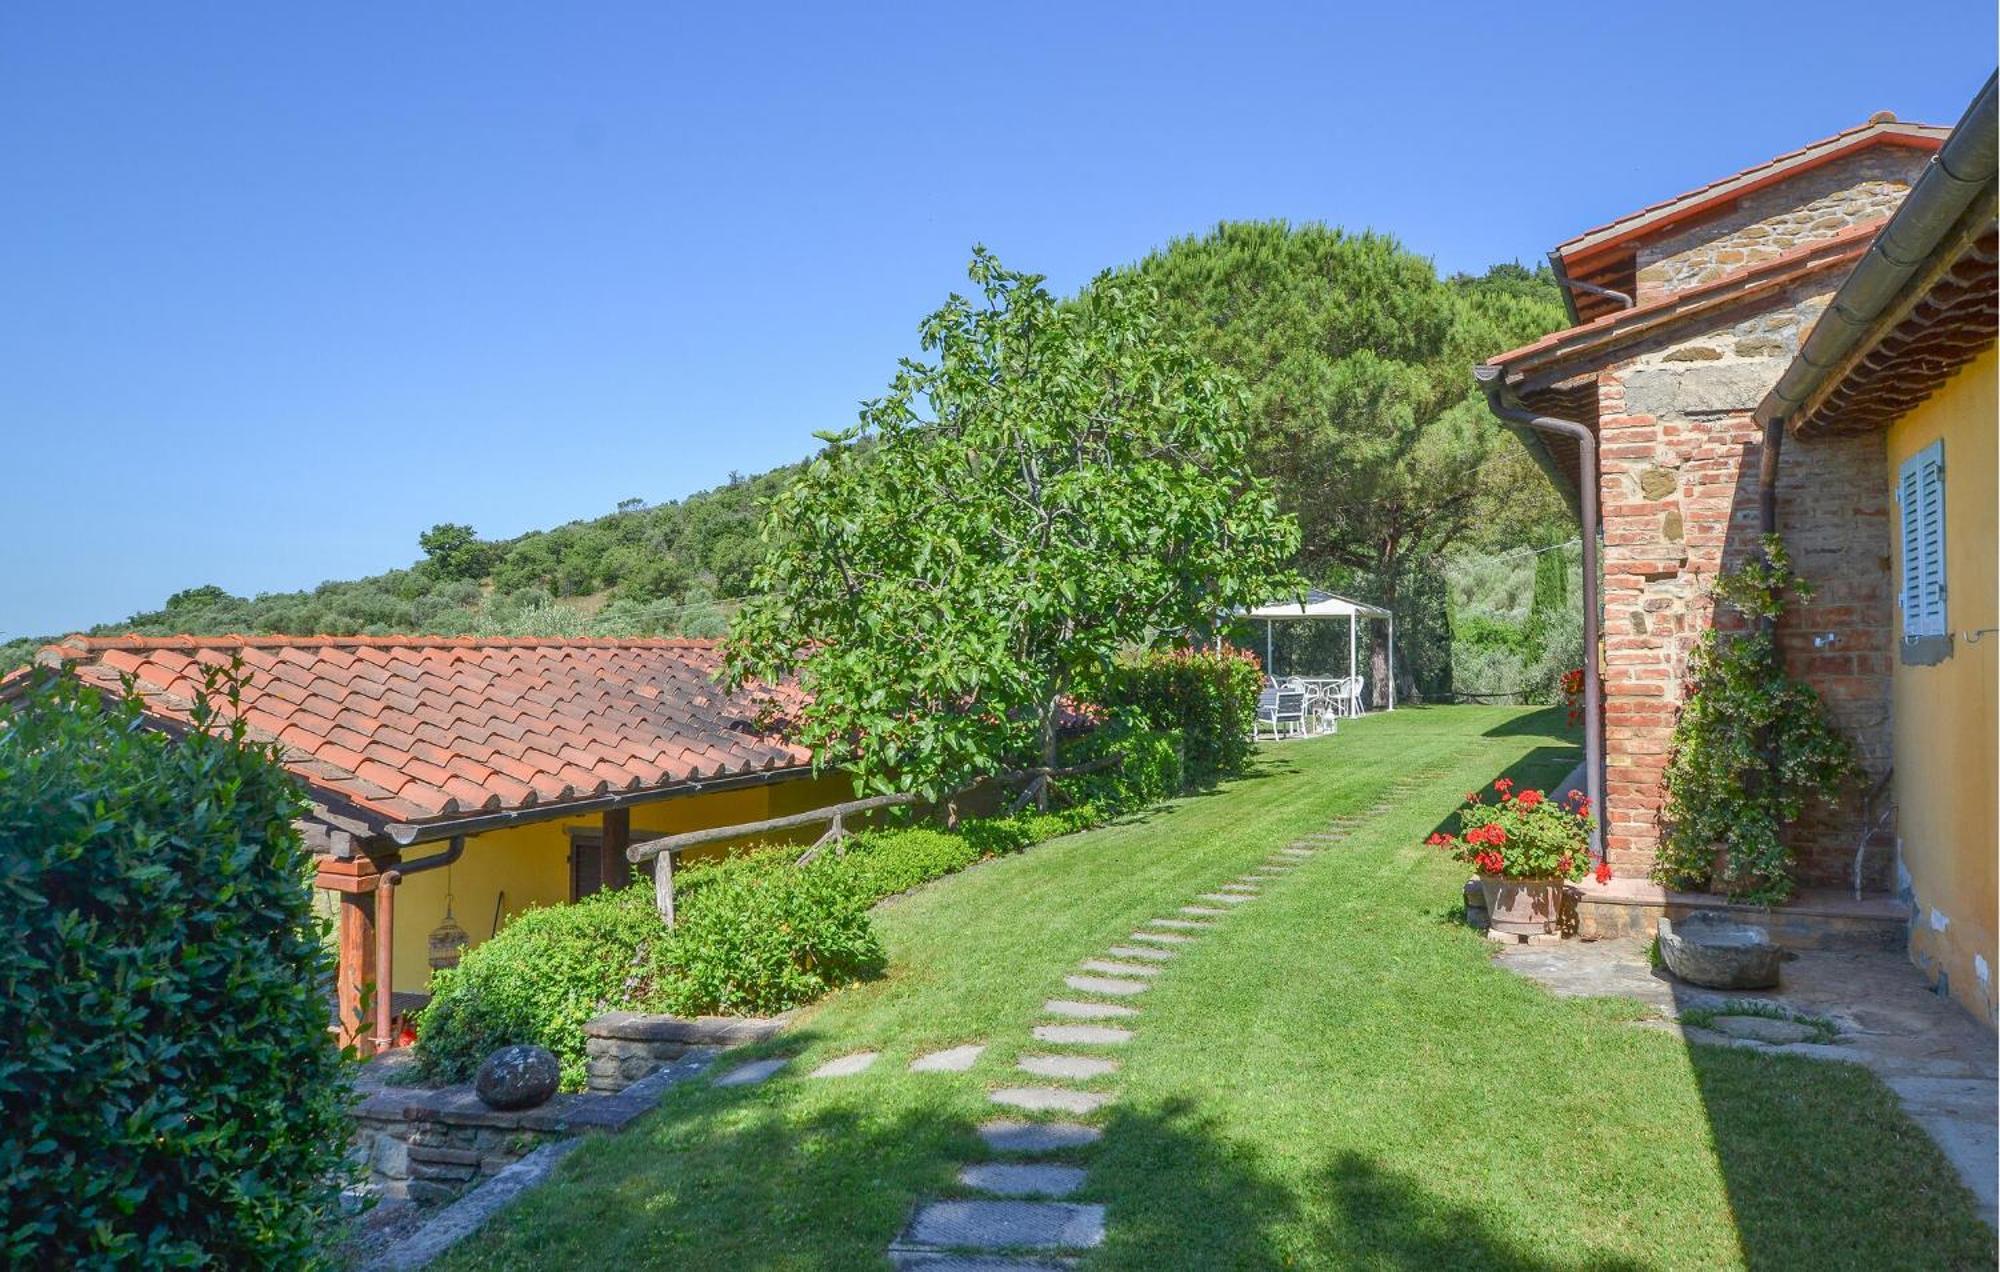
(169, 1090)
(1209, 698)
(538, 980)
(1148, 769)
(1750, 746)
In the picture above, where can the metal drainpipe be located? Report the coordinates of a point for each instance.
(385, 935)
(1492, 382)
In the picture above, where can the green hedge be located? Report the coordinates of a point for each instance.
(1209, 699)
(170, 1094)
(755, 934)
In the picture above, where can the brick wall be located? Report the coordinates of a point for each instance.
(1678, 464)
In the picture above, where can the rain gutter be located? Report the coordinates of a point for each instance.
(1954, 177)
(1493, 383)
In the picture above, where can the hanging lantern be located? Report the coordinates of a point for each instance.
(447, 940)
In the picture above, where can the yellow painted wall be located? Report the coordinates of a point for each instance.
(530, 864)
(1947, 788)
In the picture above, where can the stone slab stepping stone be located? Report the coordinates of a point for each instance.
(1229, 897)
(1083, 1035)
(1006, 1225)
(956, 1060)
(1023, 1180)
(1037, 1137)
(752, 1073)
(1087, 1011)
(915, 1260)
(1190, 924)
(1164, 938)
(1295, 853)
(1106, 985)
(1051, 1099)
(1140, 951)
(1762, 1029)
(1209, 910)
(847, 1066)
(1119, 969)
(1079, 1067)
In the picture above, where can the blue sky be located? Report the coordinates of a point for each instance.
(283, 287)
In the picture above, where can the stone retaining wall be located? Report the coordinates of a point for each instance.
(622, 1047)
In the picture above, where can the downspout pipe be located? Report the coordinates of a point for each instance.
(1493, 383)
(385, 934)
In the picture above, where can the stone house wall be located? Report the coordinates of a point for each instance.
(1813, 206)
(1678, 461)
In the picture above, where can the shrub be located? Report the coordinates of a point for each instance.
(1750, 745)
(538, 980)
(1210, 699)
(1148, 770)
(169, 1089)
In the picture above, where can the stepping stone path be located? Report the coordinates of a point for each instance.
(750, 1074)
(956, 1060)
(1106, 985)
(1022, 1215)
(847, 1066)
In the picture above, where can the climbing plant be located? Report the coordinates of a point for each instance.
(1752, 745)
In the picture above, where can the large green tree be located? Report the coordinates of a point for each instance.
(1058, 483)
(1362, 411)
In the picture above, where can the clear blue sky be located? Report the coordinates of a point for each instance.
(281, 285)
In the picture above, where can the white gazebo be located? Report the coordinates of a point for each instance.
(1318, 604)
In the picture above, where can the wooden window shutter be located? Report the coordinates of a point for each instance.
(1920, 494)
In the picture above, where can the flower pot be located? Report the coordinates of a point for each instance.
(1523, 907)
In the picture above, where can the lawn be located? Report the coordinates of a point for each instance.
(1337, 1077)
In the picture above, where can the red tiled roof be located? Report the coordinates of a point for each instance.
(409, 729)
(1875, 132)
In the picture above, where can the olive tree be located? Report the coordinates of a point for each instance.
(1051, 484)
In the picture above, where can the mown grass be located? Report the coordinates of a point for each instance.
(1339, 1077)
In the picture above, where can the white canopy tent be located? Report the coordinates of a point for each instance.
(1318, 604)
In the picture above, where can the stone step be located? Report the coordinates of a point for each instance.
(1110, 985)
(847, 1066)
(1140, 951)
(1163, 938)
(1082, 1035)
(1190, 925)
(1077, 1067)
(751, 1073)
(1208, 910)
(917, 1260)
(1050, 1099)
(1003, 1136)
(1004, 1225)
(1120, 969)
(956, 1060)
(1022, 1179)
(1229, 897)
(1073, 1010)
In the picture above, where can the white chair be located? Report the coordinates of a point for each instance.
(1347, 696)
(1277, 708)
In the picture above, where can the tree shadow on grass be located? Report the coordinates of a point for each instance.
(1549, 722)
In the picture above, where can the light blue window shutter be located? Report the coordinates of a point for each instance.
(1920, 491)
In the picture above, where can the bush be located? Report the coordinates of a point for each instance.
(169, 1089)
(1210, 699)
(538, 980)
(1149, 768)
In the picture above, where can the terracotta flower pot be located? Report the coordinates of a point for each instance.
(1523, 907)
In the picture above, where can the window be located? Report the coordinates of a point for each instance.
(1920, 500)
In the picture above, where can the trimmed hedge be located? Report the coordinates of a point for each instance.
(755, 934)
(170, 1093)
(1209, 698)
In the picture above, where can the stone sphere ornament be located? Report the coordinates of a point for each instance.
(518, 1077)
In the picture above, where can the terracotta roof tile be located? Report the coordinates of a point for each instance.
(416, 728)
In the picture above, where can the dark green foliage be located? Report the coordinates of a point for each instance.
(1058, 483)
(755, 934)
(169, 1091)
(1150, 766)
(1209, 699)
(1751, 746)
(454, 550)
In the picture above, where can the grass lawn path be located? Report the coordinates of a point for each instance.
(1336, 1076)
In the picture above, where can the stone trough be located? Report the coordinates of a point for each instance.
(1711, 950)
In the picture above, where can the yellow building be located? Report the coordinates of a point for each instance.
(477, 778)
(1905, 353)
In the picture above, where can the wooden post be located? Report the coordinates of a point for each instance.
(663, 887)
(614, 870)
(354, 974)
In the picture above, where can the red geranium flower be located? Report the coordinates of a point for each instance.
(1504, 785)
(1603, 872)
(1528, 799)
